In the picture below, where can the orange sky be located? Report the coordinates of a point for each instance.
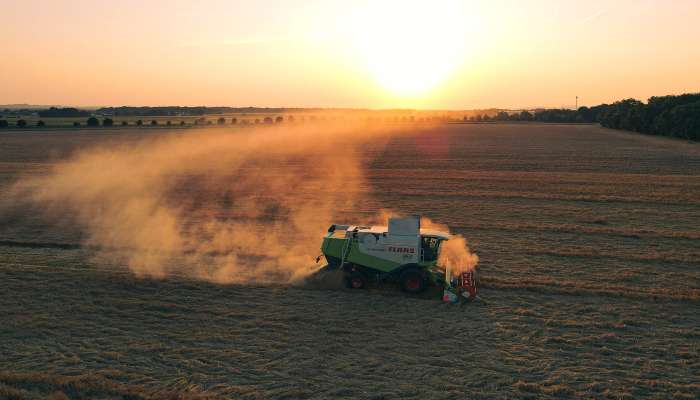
(331, 53)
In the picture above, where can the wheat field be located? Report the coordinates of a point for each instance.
(589, 252)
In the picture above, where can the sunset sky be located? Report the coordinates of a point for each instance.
(332, 53)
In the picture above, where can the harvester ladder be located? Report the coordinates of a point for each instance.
(344, 253)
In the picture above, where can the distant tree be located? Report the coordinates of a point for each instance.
(525, 116)
(290, 118)
(124, 123)
(479, 118)
(626, 114)
(21, 123)
(139, 122)
(268, 120)
(221, 121)
(209, 122)
(154, 122)
(40, 124)
(555, 115)
(279, 119)
(54, 112)
(4, 123)
(234, 121)
(656, 111)
(107, 122)
(681, 121)
(633, 115)
(92, 121)
(168, 123)
(586, 114)
(76, 124)
(502, 116)
(182, 123)
(486, 118)
(257, 120)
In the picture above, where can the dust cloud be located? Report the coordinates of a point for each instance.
(454, 253)
(228, 205)
(225, 205)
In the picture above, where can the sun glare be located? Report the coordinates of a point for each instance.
(409, 47)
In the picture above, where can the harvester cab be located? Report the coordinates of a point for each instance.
(401, 252)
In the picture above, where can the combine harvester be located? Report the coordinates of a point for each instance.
(401, 253)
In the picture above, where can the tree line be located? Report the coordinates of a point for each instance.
(66, 112)
(167, 111)
(108, 122)
(675, 116)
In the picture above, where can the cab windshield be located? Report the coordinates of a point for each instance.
(429, 248)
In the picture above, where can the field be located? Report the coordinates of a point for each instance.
(589, 259)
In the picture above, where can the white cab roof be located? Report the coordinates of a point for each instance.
(380, 229)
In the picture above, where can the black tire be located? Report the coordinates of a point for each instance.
(413, 281)
(355, 280)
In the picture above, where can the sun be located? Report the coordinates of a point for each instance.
(407, 46)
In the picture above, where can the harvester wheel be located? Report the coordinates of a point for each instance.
(413, 281)
(355, 280)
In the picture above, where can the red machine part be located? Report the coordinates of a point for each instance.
(467, 283)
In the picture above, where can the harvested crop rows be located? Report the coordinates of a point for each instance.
(589, 260)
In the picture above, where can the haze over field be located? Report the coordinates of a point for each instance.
(380, 54)
(164, 217)
(231, 207)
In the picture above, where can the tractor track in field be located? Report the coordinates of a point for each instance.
(535, 285)
(690, 260)
(573, 198)
(631, 233)
(41, 245)
(576, 288)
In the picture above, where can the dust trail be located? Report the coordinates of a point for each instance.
(455, 253)
(240, 205)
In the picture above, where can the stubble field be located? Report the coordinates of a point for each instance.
(589, 261)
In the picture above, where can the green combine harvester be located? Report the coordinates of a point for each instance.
(402, 253)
